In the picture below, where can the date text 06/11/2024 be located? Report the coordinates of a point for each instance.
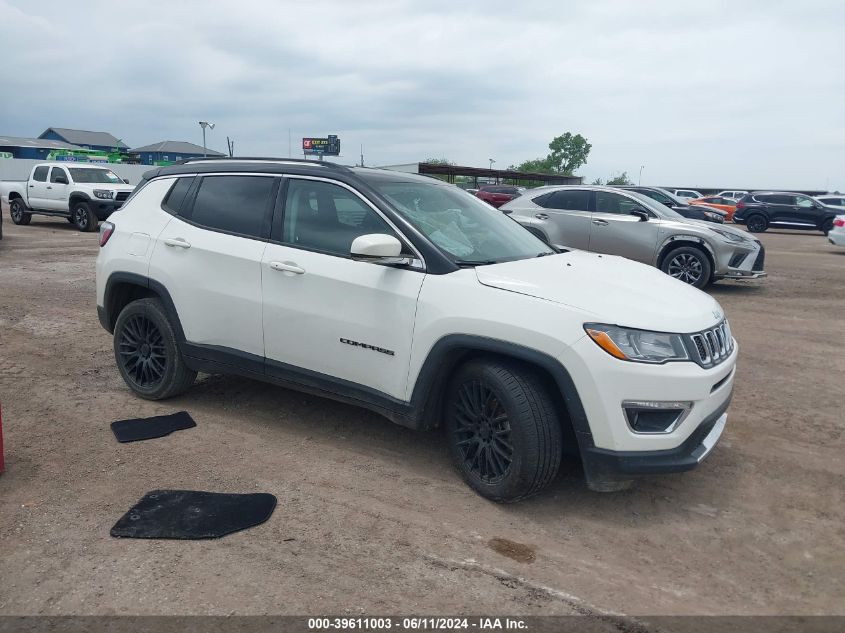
(416, 624)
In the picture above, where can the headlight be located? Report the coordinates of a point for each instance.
(716, 217)
(728, 236)
(103, 194)
(640, 346)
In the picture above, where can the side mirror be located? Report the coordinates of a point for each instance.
(641, 214)
(126, 180)
(378, 248)
(61, 180)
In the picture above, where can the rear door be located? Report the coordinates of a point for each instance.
(616, 232)
(349, 321)
(781, 207)
(36, 192)
(209, 258)
(566, 216)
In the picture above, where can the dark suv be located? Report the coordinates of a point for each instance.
(680, 205)
(760, 210)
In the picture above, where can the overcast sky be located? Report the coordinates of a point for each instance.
(715, 93)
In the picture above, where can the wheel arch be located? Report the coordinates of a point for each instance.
(76, 197)
(686, 240)
(454, 350)
(123, 288)
(15, 195)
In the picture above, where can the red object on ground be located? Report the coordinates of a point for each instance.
(2, 463)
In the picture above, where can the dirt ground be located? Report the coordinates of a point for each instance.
(372, 518)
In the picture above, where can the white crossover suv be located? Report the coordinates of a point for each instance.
(412, 298)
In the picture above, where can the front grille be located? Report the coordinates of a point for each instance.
(712, 346)
(122, 195)
(761, 257)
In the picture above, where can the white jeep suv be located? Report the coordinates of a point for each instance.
(416, 300)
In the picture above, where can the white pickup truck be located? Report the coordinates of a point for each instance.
(82, 193)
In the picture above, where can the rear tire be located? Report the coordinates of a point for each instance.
(147, 352)
(503, 429)
(18, 212)
(688, 264)
(756, 223)
(84, 218)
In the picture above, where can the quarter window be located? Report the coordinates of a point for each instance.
(234, 204)
(578, 200)
(324, 217)
(176, 195)
(41, 173)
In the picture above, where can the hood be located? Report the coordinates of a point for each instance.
(709, 226)
(608, 289)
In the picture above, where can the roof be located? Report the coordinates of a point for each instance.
(18, 141)
(86, 137)
(176, 147)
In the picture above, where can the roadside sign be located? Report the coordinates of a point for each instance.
(328, 146)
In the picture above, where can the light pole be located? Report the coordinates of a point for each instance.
(203, 125)
(640, 181)
(491, 162)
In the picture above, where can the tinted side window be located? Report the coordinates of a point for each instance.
(235, 204)
(40, 174)
(176, 196)
(56, 173)
(568, 201)
(779, 199)
(607, 202)
(327, 218)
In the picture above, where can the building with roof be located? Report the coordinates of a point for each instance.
(33, 148)
(170, 151)
(102, 141)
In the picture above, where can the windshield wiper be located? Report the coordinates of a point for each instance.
(468, 263)
(544, 254)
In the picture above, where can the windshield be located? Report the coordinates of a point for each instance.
(661, 210)
(104, 176)
(467, 229)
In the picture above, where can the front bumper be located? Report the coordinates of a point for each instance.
(104, 208)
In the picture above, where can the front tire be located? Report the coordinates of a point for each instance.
(18, 212)
(503, 429)
(756, 223)
(83, 217)
(688, 264)
(147, 352)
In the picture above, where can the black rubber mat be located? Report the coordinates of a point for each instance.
(137, 429)
(191, 514)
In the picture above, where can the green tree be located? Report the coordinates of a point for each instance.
(621, 179)
(438, 161)
(597, 181)
(568, 153)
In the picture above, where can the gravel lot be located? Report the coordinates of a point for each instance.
(372, 518)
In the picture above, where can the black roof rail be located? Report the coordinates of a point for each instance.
(320, 163)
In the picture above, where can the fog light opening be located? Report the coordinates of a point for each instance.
(655, 416)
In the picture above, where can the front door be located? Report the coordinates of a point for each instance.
(58, 190)
(346, 320)
(209, 258)
(615, 231)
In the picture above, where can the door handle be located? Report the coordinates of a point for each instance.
(177, 241)
(541, 216)
(287, 267)
(600, 222)
(32, 186)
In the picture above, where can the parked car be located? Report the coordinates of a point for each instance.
(690, 194)
(82, 193)
(679, 205)
(627, 223)
(401, 294)
(735, 194)
(832, 199)
(836, 235)
(785, 210)
(728, 205)
(497, 195)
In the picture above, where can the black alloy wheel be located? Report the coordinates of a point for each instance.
(142, 351)
(483, 432)
(757, 224)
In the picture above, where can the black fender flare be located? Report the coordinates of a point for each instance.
(105, 311)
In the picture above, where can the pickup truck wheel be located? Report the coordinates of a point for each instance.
(688, 264)
(147, 353)
(84, 218)
(756, 223)
(18, 211)
(503, 430)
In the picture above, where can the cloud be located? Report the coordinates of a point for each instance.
(718, 93)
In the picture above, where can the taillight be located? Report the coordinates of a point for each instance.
(839, 222)
(106, 229)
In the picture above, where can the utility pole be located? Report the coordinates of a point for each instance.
(203, 125)
(362, 154)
